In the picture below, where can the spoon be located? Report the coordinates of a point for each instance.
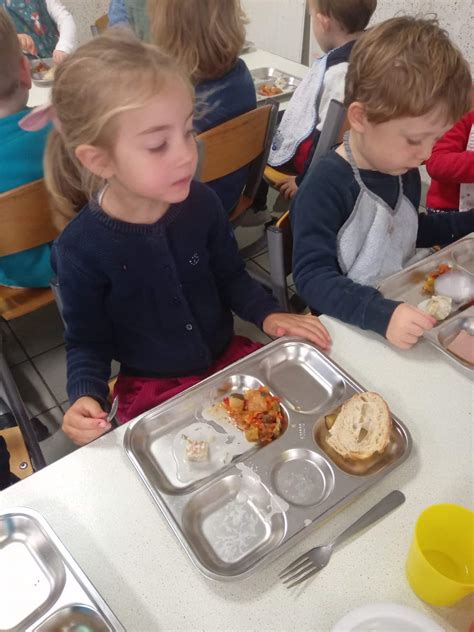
(113, 411)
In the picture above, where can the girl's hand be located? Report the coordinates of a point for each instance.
(288, 187)
(58, 56)
(27, 44)
(85, 421)
(304, 325)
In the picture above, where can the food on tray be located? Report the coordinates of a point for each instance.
(257, 412)
(463, 347)
(437, 306)
(429, 283)
(196, 450)
(269, 90)
(46, 72)
(361, 428)
(456, 284)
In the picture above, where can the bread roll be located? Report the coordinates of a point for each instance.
(362, 428)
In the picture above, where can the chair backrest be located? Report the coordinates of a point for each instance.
(100, 25)
(280, 252)
(244, 140)
(334, 128)
(26, 219)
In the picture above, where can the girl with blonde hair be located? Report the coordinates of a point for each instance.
(149, 271)
(206, 38)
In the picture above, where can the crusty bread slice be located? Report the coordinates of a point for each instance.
(362, 427)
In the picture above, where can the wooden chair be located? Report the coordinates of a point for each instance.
(332, 133)
(244, 140)
(279, 236)
(100, 25)
(25, 222)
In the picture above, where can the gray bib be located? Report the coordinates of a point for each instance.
(376, 240)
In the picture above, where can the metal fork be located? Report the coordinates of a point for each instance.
(317, 558)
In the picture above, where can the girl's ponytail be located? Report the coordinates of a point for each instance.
(64, 178)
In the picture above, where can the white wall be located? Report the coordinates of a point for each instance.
(456, 16)
(85, 13)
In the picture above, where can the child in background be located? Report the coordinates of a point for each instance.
(47, 22)
(149, 270)
(451, 168)
(206, 37)
(337, 24)
(117, 13)
(355, 219)
(21, 154)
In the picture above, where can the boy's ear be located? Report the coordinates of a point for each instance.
(25, 73)
(96, 160)
(357, 117)
(324, 20)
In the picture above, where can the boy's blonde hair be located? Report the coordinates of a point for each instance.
(10, 56)
(110, 74)
(204, 36)
(408, 67)
(352, 15)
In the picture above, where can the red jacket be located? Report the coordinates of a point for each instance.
(450, 165)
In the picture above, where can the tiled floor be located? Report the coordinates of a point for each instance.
(36, 353)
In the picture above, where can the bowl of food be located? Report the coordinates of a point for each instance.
(42, 71)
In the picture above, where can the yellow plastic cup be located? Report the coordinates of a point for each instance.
(440, 564)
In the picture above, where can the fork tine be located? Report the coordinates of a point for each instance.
(293, 563)
(294, 568)
(304, 578)
(299, 573)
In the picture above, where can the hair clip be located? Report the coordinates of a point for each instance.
(39, 117)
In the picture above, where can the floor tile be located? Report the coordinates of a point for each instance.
(52, 366)
(58, 445)
(264, 261)
(14, 353)
(246, 236)
(40, 331)
(244, 328)
(35, 394)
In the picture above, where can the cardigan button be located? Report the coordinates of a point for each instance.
(189, 327)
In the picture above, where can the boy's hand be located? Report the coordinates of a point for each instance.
(27, 44)
(304, 325)
(407, 324)
(59, 56)
(288, 187)
(85, 421)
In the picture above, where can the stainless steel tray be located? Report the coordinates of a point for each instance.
(262, 76)
(406, 285)
(234, 516)
(42, 588)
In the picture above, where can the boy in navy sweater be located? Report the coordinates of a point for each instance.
(355, 219)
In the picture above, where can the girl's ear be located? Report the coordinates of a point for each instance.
(96, 160)
(357, 117)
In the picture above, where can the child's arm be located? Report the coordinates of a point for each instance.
(441, 229)
(89, 346)
(247, 298)
(66, 26)
(320, 209)
(450, 162)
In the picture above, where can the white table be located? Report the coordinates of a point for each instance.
(254, 59)
(96, 504)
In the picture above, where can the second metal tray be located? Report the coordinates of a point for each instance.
(407, 284)
(42, 588)
(245, 508)
(268, 76)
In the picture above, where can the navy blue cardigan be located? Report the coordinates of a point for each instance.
(158, 298)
